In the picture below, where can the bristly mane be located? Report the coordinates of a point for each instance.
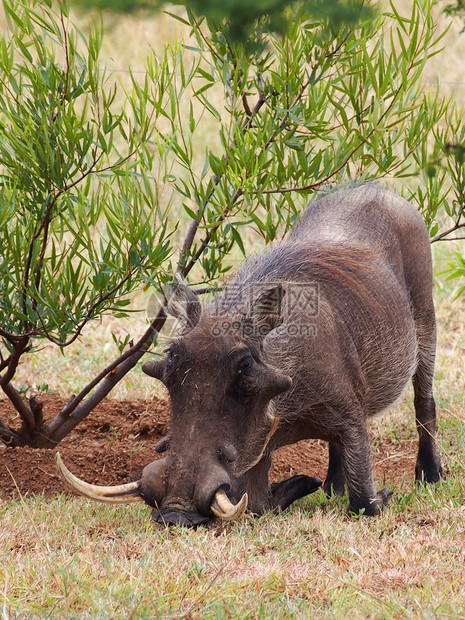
(343, 265)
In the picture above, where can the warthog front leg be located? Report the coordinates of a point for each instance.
(358, 472)
(279, 495)
(334, 483)
(286, 492)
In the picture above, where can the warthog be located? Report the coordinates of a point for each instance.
(308, 340)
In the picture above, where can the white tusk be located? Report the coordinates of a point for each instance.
(223, 508)
(119, 494)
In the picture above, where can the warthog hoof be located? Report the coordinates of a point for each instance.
(373, 506)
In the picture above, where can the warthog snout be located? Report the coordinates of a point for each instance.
(178, 497)
(187, 494)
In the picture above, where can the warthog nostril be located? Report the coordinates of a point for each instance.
(178, 517)
(163, 444)
(211, 477)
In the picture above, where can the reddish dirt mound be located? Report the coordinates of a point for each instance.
(117, 440)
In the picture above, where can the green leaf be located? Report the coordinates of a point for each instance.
(237, 239)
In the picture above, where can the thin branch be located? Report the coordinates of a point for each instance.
(311, 186)
(207, 42)
(91, 170)
(27, 268)
(207, 289)
(75, 410)
(21, 347)
(4, 363)
(442, 236)
(449, 239)
(206, 240)
(66, 46)
(12, 338)
(20, 405)
(44, 226)
(40, 264)
(189, 240)
(245, 103)
(296, 100)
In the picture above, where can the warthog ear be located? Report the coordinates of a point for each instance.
(154, 369)
(265, 313)
(182, 303)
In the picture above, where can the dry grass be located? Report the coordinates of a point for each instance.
(72, 558)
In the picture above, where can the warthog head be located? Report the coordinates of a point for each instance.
(222, 416)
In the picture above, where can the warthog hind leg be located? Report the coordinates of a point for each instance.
(428, 466)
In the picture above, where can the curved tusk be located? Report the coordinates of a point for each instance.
(224, 509)
(119, 494)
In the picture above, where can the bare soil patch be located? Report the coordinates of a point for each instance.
(117, 440)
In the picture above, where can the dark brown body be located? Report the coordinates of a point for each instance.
(328, 328)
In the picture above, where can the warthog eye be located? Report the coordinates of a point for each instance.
(169, 355)
(245, 364)
(168, 366)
